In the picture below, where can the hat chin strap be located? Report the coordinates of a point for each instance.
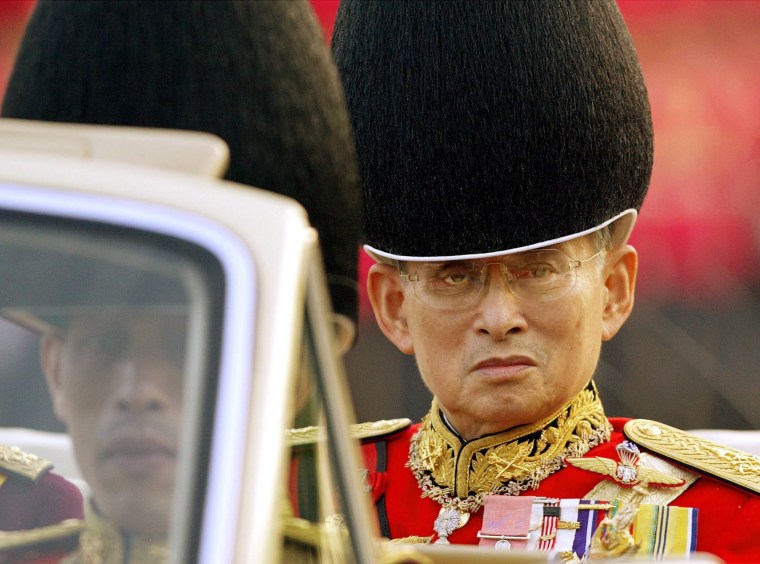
(623, 231)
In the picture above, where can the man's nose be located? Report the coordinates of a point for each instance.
(139, 386)
(500, 311)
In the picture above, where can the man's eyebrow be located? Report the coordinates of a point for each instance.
(436, 266)
(531, 255)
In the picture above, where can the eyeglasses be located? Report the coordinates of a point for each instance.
(541, 276)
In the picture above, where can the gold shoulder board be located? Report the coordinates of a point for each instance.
(378, 429)
(16, 462)
(361, 431)
(735, 466)
(65, 530)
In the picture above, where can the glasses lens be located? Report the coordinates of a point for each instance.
(541, 275)
(450, 284)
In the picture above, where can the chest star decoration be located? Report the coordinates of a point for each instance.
(627, 472)
(449, 520)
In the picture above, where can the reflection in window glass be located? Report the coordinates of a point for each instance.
(109, 332)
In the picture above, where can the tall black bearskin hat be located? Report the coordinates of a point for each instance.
(257, 74)
(490, 127)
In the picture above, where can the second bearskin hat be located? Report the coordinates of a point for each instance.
(256, 74)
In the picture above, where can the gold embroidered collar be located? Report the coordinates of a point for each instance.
(458, 473)
(101, 542)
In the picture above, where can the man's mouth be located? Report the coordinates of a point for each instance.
(139, 453)
(504, 367)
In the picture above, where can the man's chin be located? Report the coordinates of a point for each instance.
(135, 491)
(137, 512)
(490, 416)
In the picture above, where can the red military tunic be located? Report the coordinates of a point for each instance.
(728, 524)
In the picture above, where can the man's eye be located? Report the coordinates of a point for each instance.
(456, 278)
(448, 279)
(534, 270)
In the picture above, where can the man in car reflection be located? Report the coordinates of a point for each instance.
(258, 75)
(505, 149)
(116, 383)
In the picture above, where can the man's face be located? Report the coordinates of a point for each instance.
(116, 383)
(505, 362)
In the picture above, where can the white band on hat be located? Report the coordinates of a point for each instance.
(620, 238)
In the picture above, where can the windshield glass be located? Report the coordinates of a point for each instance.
(105, 357)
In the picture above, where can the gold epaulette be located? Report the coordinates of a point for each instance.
(361, 431)
(16, 462)
(708, 457)
(67, 530)
(379, 429)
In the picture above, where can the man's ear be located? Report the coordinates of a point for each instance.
(386, 295)
(50, 357)
(620, 281)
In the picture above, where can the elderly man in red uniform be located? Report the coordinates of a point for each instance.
(505, 149)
